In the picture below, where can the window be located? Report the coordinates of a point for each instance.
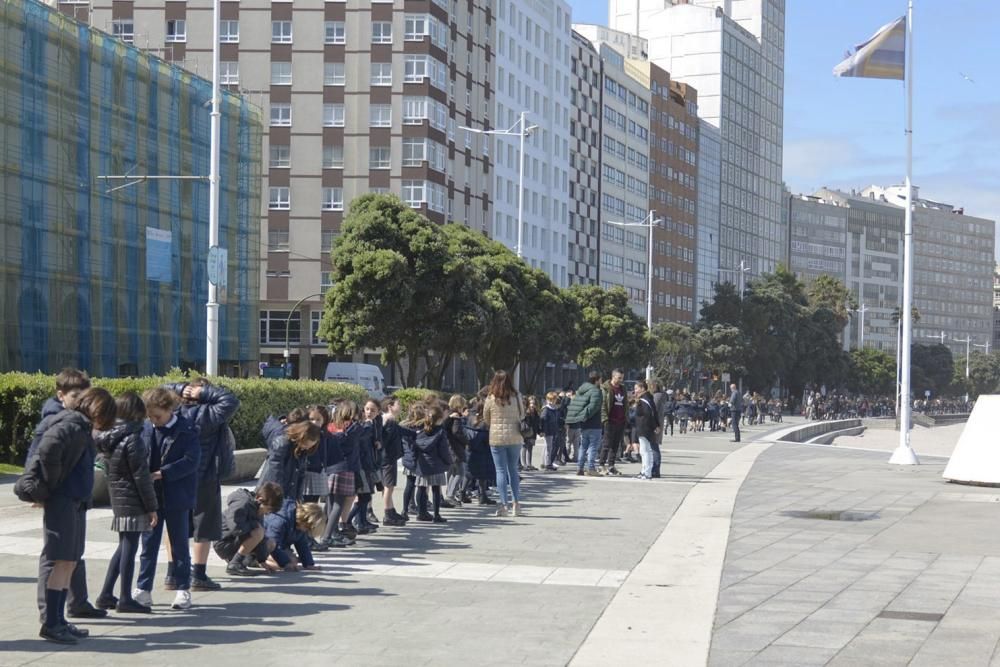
(326, 240)
(413, 151)
(414, 110)
(378, 157)
(333, 115)
(381, 32)
(333, 74)
(325, 281)
(381, 74)
(380, 115)
(281, 32)
(414, 193)
(416, 69)
(281, 74)
(333, 157)
(277, 240)
(272, 326)
(281, 115)
(281, 157)
(229, 74)
(123, 29)
(415, 27)
(176, 30)
(279, 199)
(333, 199)
(229, 32)
(335, 31)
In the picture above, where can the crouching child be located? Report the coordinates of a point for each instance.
(243, 542)
(290, 527)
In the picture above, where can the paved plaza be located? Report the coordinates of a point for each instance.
(757, 553)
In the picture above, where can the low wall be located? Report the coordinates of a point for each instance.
(812, 431)
(248, 462)
(930, 421)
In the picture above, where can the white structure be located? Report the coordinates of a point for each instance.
(976, 459)
(533, 42)
(732, 52)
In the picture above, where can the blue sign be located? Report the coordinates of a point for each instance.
(159, 250)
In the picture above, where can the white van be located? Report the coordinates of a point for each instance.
(367, 375)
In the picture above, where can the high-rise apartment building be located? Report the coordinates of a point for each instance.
(533, 75)
(585, 159)
(361, 96)
(732, 52)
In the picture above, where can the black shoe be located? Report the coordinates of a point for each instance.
(405, 517)
(86, 610)
(79, 633)
(349, 531)
(412, 509)
(467, 499)
(59, 634)
(580, 473)
(487, 501)
(170, 583)
(321, 546)
(447, 504)
(389, 520)
(370, 517)
(238, 568)
(425, 517)
(362, 530)
(440, 519)
(106, 602)
(132, 607)
(206, 584)
(399, 517)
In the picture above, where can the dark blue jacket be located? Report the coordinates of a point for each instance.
(433, 453)
(408, 444)
(282, 467)
(175, 452)
(550, 420)
(366, 447)
(352, 447)
(241, 515)
(481, 464)
(280, 527)
(66, 452)
(392, 442)
(209, 416)
(333, 452)
(51, 407)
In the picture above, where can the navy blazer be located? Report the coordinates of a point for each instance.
(433, 452)
(176, 453)
(209, 416)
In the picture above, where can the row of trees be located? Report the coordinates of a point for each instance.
(431, 293)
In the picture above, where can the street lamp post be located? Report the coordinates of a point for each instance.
(985, 346)
(288, 320)
(740, 272)
(649, 222)
(212, 307)
(861, 336)
(523, 131)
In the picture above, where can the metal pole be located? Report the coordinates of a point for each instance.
(520, 225)
(212, 307)
(288, 320)
(649, 289)
(861, 342)
(904, 453)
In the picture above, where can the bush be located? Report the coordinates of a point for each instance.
(22, 396)
(408, 397)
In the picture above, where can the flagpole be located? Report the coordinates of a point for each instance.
(904, 454)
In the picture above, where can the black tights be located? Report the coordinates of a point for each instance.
(360, 510)
(334, 506)
(422, 499)
(411, 486)
(122, 564)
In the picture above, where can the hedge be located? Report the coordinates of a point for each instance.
(22, 396)
(408, 397)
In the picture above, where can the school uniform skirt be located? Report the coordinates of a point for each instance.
(439, 479)
(341, 483)
(365, 481)
(315, 484)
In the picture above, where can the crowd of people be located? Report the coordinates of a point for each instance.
(165, 452)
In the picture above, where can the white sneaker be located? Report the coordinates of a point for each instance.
(182, 601)
(145, 598)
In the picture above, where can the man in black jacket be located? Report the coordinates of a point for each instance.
(736, 409)
(646, 422)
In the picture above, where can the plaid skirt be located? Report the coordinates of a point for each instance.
(439, 479)
(315, 484)
(341, 483)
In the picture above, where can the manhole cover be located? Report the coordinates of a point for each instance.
(831, 515)
(911, 616)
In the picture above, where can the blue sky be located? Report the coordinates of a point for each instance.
(849, 132)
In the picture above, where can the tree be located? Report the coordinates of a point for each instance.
(984, 375)
(674, 350)
(873, 372)
(608, 331)
(388, 266)
(722, 348)
(726, 307)
(931, 367)
(828, 292)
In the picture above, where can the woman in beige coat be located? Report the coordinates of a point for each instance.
(503, 413)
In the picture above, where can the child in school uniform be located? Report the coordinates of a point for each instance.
(243, 545)
(433, 459)
(408, 436)
(133, 500)
(174, 455)
(366, 478)
(342, 465)
(550, 418)
(291, 527)
(289, 446)
(481, 466)
(392, 451)
(454, 428)
(314, 484)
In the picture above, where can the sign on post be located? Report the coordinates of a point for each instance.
(218, 270)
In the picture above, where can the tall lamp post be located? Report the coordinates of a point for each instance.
(861, 335)
(212, 307)
(649, 222)
(288, 321)
(985, 346)
(523, 130)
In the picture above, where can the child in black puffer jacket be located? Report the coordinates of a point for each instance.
(133, 500)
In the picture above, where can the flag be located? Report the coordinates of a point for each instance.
(881, 57)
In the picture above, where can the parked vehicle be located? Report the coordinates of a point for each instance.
(368, 376)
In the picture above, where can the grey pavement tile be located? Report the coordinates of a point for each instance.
(727, 657)
(802, 656)
(821, 634)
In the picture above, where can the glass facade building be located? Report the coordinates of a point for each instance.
(115, 282)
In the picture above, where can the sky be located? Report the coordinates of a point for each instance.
(848, 133)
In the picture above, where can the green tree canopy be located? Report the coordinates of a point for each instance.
(830, 293)
(608, 332)
(931, 367)
(873, 372)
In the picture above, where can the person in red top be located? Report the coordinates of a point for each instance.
(614, 418)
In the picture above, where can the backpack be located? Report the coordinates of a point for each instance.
(227, 454)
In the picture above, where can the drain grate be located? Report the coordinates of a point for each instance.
(831, 515)
(911, 616)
